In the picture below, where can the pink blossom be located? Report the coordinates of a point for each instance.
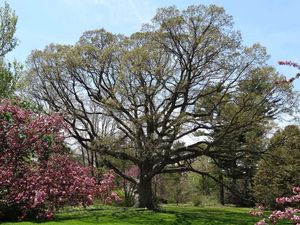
(292, 64)
(288, 213)
(261, 222)
(36, 173)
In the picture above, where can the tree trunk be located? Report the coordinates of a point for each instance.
(221, 189)
(145, 195)
(83, 156)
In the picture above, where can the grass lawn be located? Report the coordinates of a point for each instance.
(169, 215)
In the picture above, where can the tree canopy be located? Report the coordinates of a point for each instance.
(8, 42)
(8, 22)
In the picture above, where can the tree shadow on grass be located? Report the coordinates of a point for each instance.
(117, 216)
(165, 216)
(180, 216)
(210, 217)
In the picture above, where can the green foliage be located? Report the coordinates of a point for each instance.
(188, 187)
(7, 81)
(203, 191)
(278, 172)
(8, 22)
(8, 117)
(8, 72)
(205, 200)
(243, 118)
(26, 104)
(176, 188)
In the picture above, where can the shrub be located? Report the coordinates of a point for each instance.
(37, 176)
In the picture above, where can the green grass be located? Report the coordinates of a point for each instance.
(169, 215)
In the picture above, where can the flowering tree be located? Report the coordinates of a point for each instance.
(37, 176)
(104, 188)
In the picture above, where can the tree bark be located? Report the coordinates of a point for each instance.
(83, 156)
(145, 194)
(221, 190)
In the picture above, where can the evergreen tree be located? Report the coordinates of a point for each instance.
(278, 172)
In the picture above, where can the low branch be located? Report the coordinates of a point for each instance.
(119, 172)
(120, 155)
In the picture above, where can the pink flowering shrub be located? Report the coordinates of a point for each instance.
(46, 187)
(133, 171)
(104, 188)
(130, 188)
(289, 213)
(37, 177)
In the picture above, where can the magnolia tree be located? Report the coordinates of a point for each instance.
(37, 176)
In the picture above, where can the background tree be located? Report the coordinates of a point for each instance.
(8, 22)
(8, 73)
(149, 83)
(278, 171)
(7, 81)
(244, 147)
(194, 188)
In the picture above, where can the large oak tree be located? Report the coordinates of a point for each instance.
(151, 85)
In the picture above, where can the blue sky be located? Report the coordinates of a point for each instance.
(273, 23)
